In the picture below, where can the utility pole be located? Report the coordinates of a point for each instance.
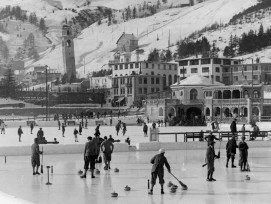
(252, 94)
(46, 78)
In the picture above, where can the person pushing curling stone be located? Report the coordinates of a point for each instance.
(158, 162)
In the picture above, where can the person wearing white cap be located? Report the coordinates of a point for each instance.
(158, 162)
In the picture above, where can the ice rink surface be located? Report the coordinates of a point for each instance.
(67, 187)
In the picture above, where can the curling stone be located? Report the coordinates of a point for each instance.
(174, 186)
(114, 194)
(169, 184)
(80, 172)
(116, 170)
(127, 188)
(173, 190)
(247, 178)
(97, 171)
(184, 187)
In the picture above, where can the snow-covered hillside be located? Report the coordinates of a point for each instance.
(96, 42)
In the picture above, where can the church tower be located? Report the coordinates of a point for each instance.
(68, 51)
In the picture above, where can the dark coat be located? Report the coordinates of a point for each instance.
(233, 127)
(158, 162)
(231, 146)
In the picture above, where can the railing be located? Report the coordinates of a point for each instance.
(201, 135)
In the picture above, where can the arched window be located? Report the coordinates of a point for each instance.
(161, 112)
(246, 94)
(169, 80)
(193, 94)
(68, 32)
(207, 112)
(256, 94)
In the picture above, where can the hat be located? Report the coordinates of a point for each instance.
(162, 150)
(89, 138)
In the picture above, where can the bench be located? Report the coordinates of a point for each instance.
(194, 135)
(261, 134)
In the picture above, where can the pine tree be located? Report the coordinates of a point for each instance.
(42, 25)
(168, 56)
(35, 54)
(5, 51)
(261, 38)
(134, 12)
(72, 78)
(9, 83)
(154, 56)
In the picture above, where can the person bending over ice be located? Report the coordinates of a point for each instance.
(158, 162)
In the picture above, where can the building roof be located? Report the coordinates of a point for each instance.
(197, 80)
(128, 36)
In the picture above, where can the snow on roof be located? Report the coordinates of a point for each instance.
(197, 80)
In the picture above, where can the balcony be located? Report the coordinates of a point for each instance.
(193, 102)
(237, 101)
(128, 84)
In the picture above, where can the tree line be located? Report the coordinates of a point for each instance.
(249, 42)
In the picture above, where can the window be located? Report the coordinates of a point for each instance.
(122, 91)
(226, 69)
(235, 62)
(131, 66)
(183, 63)
(165, 67)
(122, 81)
(182, 71)
(136, 65)
(217, 69)
(152, 73)
(140, 90)
(193, 94)
(145, 90)
(217, 61)
(147, 65)
(205, 69)
(194, 70)
(217, 78)
(145, 80)
(255, 94)
(255, 67)
(116, 91)
(226, 62)
(235, 78)
(175, 67)
(152, 90)
(170, 67)
(157, 80)
(121, 66)
(169, 80)
(194, 62)
(116, 67)
(126, 66)
(158, 66)
(140, 80)
(152, 80)
(235, 69)
(255, 77)
(152, 65)
(206, 61)
(245, 77)
(68, 43)
(157, 89)
(245, 68)
(129, 90)
(226, 79)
